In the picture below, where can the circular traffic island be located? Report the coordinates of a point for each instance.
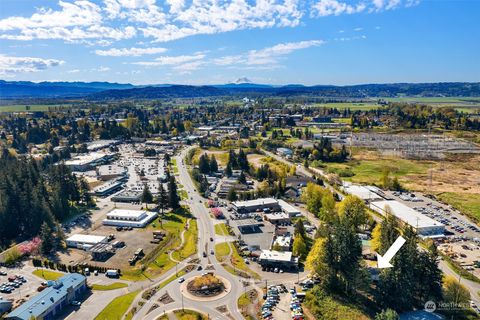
(206, 286)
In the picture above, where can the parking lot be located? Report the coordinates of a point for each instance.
(23, 289)
(456, 224)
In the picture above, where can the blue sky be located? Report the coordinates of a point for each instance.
(217, 41)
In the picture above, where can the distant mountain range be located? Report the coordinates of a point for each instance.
(108, 91)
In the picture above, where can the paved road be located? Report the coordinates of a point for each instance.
(206, 231)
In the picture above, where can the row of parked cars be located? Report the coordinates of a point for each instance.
(13, 283)
(446, 217)
(272, 297)
(296, 306)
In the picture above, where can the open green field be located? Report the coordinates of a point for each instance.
(112, 286)
(32, 107)
(47, 274)
(117, 308)
(370, 171)
(350, 105)
(467, 203)
(462, 104)
(222, 250)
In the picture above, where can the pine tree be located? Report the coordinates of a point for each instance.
(147, 195)
(162, 199)
(48, 241)
(173, 198)
(213, 164)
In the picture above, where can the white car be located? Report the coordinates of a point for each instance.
(182, 279)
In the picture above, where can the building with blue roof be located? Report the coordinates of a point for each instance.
(52, 300)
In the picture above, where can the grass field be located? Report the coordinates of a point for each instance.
(47, 274)
(32, 107)
(350, 105)
(222, 250)
(190, 245)
(112, 286)
(467, 203)
(221, 229)
(189, 315)
(220, 156)
(117, 308)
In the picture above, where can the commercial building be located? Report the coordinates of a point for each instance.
(47, 304)
(110, 171)
(282, 243)
(127, 196)
(254, 205)
(85, 241)
(102, 251)
(424, 226)
(5, 306)
(108, 188)
(88, 161)
(277, 217)
(278, 259)
(129, 218)
(265, 204)
(366, 193)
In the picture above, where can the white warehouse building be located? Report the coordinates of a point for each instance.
(424, 226)
(85, 241)
(129, 218)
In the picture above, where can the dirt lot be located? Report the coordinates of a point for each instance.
(137, 238)
(466, 253)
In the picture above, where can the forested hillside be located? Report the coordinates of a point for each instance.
(30, 196)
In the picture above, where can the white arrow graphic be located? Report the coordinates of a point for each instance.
(384, 262)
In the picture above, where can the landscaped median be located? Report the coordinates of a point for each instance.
(107, 287)
(227, 254)
(48, 274)
(221, 229)
(118, 307)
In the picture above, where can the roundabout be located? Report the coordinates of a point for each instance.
(207, 287)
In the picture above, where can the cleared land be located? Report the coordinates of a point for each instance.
(220, 156)
(455, 180)
(32, 107)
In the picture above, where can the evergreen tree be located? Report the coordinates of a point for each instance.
(48, 241)
(173, 198)
(147, 195)
(162, 199)
(213, 164)
(387, 314)
(232, 195)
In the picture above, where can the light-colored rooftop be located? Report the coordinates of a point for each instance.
(363, 192)
(126, 213)
(285, 256)
(288, 208)
(405, 213)
(256, 202)
(86, 238)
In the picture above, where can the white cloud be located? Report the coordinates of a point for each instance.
(102, 69)
(324, 8)
(73, 71)
(100, 22)
(129, 52)
(9, 64)
(171, 60)
(268, 55)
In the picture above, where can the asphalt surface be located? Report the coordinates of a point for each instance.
(206, 231)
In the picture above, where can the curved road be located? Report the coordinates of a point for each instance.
(206, 231)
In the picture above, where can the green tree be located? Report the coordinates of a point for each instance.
(299, 247)
(213, 164)
(387, 314)
(327, 212)
(48, 241)
(173, 198)
(147, 195)
(353, 210)
(454, 292)
(232, 195)
(162, 199)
